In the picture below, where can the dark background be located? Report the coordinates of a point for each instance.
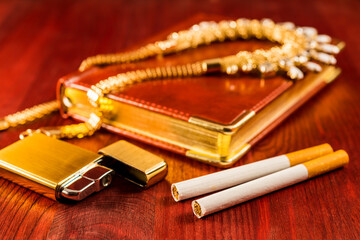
(41, 41)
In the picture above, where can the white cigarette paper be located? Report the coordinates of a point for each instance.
(235, 176)
(261, 186)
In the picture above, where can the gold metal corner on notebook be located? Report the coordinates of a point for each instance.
(223, 144)
(217, 160)
(223, 128)
(64, 100)
(341, 45)
(330, 74)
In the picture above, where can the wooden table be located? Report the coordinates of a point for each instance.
(42, 40)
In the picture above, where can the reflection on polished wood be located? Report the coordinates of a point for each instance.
(43, 40)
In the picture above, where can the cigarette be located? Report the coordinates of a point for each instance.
(275, 181)
(235, 176)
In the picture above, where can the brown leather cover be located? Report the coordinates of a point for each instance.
(216, 98)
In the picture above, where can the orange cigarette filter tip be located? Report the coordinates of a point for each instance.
(326, 163)
(308, 154)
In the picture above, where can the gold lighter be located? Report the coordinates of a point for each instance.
(63, 171)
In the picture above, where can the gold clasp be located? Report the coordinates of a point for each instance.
(212, 65)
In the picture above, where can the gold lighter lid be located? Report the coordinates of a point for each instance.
(133, 163)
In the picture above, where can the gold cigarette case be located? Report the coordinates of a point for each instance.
(63, 171)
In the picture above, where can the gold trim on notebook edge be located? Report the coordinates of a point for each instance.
(222, 162)
(225, 129)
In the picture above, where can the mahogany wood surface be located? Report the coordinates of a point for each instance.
(41, 41)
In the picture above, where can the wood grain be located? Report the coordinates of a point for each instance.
(44, 40)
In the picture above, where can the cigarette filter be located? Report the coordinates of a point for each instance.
(235, 176)
(258, 187)
(63, 171)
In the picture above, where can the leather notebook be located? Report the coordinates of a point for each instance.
(213, 118)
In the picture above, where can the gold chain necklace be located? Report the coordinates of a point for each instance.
(299, 46)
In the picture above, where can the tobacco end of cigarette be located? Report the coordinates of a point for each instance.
(326, 163)
(196, 209)
(308, 154)
(175, 193)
